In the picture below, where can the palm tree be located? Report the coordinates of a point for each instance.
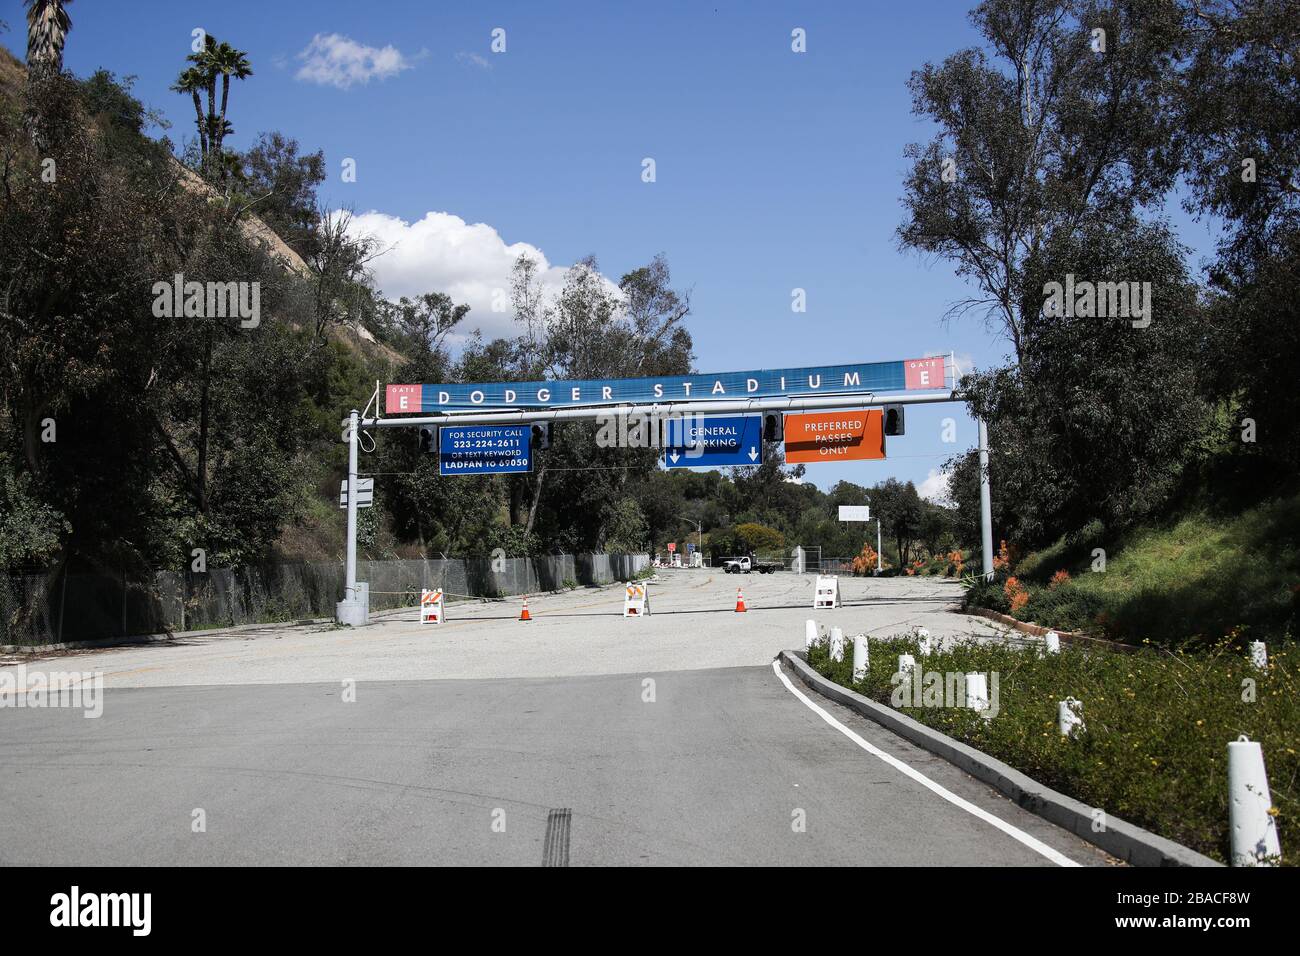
(225, 60)
(48, 24)
(214, 60)
(191, 81)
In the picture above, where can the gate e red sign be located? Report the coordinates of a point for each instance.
(399, 399)
(924, 373)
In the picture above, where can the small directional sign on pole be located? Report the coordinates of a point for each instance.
(365, 493)
(484, 449)
(713, 440)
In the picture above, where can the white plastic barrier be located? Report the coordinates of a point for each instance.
(827, 592)
(977, 692)
(861, 657)
(431, 606)
(1069, 717)
(1254, 829)
(809, 634)
(837, 644)
(636, 602)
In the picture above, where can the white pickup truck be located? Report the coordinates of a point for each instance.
(747, 564)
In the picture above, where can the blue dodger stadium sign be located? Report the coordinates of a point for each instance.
(909, 374)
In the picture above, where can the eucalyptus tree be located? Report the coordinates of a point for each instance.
(1060, 117)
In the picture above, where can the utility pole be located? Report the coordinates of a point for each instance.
(352, 609)
(986, 506)
(699, 531)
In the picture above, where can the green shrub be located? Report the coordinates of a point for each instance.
(1188, 583)
(1158, 724)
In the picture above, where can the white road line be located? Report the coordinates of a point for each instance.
(1038, 846)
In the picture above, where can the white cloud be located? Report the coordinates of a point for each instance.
(473, 59)
(335, 60)
(443, 253)
(935, 488)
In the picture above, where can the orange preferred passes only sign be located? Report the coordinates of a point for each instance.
(834, 436)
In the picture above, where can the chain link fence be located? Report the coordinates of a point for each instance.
(38, 609)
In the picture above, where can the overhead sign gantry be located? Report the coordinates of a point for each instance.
(923, 374)
(471, 417)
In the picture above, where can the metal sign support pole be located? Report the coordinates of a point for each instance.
(352, 609)
(986, 506)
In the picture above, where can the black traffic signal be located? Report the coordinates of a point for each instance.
(428, 440)
(541, 436)
(773, 426)
(893, 419)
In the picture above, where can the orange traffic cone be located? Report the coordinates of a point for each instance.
(740, 601)
(524, 615)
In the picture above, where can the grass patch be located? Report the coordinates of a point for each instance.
(1155, 749)
(1195, 581)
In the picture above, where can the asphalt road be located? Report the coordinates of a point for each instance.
(593, 763)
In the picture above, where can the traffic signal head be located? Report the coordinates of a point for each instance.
(428, 440)
(893, 419)
(773, 426)
(541, 437)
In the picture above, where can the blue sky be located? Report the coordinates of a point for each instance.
(774, 170)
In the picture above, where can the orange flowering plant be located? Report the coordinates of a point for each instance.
(1017, 594)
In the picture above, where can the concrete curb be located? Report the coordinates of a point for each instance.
(137, 639)
(1123, 840)
(85, 645)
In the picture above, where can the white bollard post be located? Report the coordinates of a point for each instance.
(1259, 655)
(809, 634)
(906, 663)
(1069, 717)
(977, 692)
(1052, 642)
(923, 641)
(1254, 830)
(837, 644)
(860, 658)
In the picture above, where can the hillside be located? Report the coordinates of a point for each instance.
(1194, 579)
(13, 75)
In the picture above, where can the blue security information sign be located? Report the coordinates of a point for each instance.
(484, 449)
(703, 440)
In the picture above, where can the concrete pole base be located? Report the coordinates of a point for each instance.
(353, 613)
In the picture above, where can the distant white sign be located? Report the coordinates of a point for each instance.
(365, 493)
(855, 513)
